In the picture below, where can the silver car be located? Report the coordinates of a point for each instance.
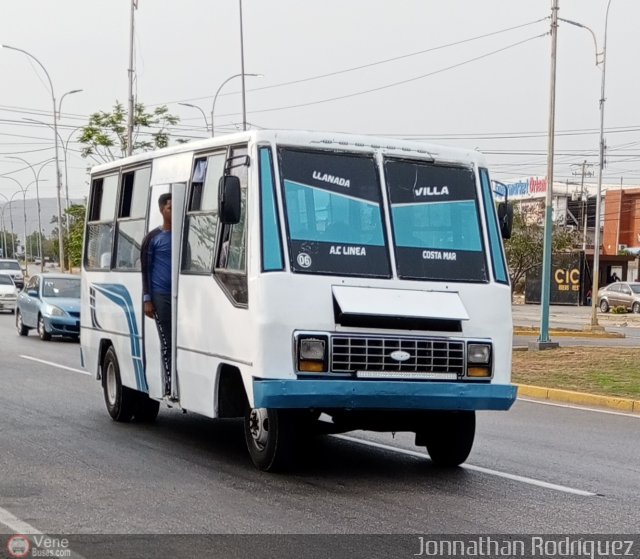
(8, 294)
(620, 294)
(11, 268)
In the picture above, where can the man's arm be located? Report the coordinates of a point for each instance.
(146, 263)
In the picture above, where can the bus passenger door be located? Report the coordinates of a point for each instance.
(153, 354)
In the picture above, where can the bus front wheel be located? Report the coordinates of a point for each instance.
(450, 438)
(271, 436)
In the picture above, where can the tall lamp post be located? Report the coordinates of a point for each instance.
(36, 176)
(543, 341)
(204, 115)
(7, 202)
(601, 58)
(13, 243)
(215, 97)
(23, 189)
(65, 147)
(55, 139)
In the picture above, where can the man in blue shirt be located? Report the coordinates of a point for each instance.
(155, 263)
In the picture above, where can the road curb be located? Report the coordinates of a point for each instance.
(580, 398)
(568, 333)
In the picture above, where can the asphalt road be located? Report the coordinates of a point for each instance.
(66, 467)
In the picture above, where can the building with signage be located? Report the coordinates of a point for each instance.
(574, 206)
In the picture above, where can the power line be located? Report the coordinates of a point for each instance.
(363, 66)
(394, 84)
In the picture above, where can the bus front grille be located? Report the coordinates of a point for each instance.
(411, 355)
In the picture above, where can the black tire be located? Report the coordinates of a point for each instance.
(121, 401)
(271, 436)
(42, 331)
(450, 439)
(146, 409)
(604, 306)
(20, 327)
(635, 308)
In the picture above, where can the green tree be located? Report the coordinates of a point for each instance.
(12, 241)
(75, 231)
(524, 250)
(105, 136)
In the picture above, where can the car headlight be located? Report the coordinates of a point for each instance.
(52, 310)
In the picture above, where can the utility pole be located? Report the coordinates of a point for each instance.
(544, 341)
(618, 221)
(585, 198)
(594, 326)
(134, 7)
(244, 103)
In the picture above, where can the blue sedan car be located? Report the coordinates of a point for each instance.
(50, 303)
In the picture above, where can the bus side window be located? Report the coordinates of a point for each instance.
(231, 262)
(201, 222)
(99, 230)
(131, 218)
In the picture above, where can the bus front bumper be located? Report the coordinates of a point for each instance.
(376, 394)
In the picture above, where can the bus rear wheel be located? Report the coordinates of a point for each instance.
(449, 439)
(121, 401)
(271, 436)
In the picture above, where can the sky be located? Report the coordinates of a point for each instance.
(462, 72)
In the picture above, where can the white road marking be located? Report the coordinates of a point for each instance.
(17, 526)
(58, 365)
(513, 477)
(582, 408)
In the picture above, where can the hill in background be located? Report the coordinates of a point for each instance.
(48, 209)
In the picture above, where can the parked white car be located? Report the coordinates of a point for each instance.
(11, 268)
(8, 294)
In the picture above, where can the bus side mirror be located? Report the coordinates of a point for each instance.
(505, 219)
(229, 199)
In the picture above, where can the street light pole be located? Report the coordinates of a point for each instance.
(4, 230)
(244, 105)
(596, 247)
(601, 57)
(543, 340)
(65, 146)
(36, 176)
(66, 178)
(55, 139)
(215, 97)
(206, 122)
(131, 72)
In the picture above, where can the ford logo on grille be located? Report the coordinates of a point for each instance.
(400, 355)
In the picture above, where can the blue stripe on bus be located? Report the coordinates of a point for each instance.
(379, 394)
(119, 294)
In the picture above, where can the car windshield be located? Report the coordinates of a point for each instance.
(436, 223)
(9, 266)
(61, 287)
(334, 213)
(5, 280)
(635, 287)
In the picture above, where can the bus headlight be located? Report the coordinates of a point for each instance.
(479, 353)
(312, 355)
(479, 360)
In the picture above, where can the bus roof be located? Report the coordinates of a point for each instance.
(328, 140)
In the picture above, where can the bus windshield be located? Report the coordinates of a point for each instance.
(436, 223)
(333, 206)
